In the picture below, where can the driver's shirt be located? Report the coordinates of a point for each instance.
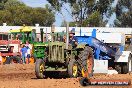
(73, 40)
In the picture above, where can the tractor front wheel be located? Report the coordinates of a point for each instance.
(73, 68)
(39, 68)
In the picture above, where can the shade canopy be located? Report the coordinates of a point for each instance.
(22, 29)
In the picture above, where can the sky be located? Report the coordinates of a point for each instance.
(113, 16)
(60, 18)
(35, 3)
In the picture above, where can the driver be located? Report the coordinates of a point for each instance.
(72, 39)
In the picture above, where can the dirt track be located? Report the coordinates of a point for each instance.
(22, 76)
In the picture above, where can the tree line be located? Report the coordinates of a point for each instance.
(14, 12)
(95, 13)
(87, 13)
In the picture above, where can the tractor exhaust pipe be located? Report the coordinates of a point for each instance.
(52, 32)
(41, 31)
(67, 35)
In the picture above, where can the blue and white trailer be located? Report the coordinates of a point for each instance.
(108, 51)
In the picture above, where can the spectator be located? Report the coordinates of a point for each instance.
(29, 49)
(23, 53)
(17, 37)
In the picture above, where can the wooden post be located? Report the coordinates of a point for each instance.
(52, 32)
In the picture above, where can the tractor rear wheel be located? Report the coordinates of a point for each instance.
(73, 68)
(39, 68)
(87, 62)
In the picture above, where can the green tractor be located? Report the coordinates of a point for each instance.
(56, 55)
(24, 34)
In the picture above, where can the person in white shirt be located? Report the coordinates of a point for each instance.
(29, 48)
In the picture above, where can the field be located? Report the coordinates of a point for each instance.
(23, 76)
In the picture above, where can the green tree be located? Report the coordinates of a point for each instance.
(94, 20)
(124, 13)
(42, 16)
(2, 2)
(82, 10)
(17, 13)
(5, 16)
